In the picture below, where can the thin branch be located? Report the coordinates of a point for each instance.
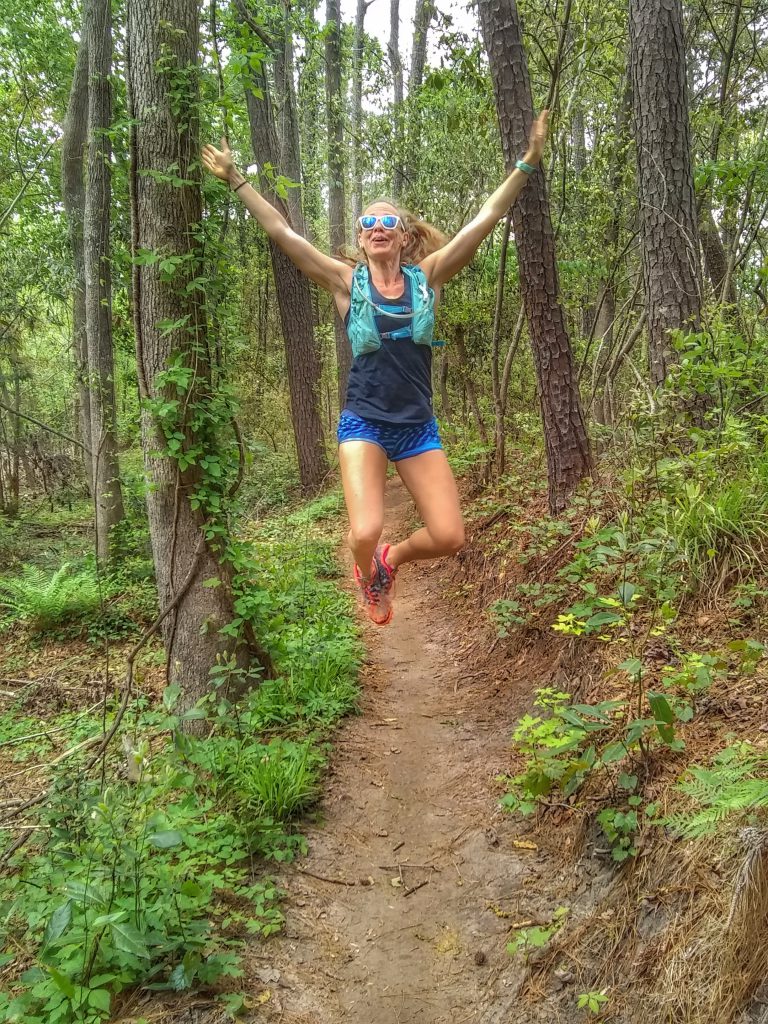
(20, 194)
(51, 430)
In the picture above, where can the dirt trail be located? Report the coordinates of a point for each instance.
(410, 819)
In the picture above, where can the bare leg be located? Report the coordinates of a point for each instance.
(432, 486)
(363, 474)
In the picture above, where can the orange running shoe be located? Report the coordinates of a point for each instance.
(380, 591)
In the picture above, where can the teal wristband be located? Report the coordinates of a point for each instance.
(521, 165)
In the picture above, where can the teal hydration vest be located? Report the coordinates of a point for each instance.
(361, 326)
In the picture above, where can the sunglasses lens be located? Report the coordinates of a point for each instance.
(367, 222)
(389, 221)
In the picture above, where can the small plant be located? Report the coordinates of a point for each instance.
(505, 615)
(592, 1001)
(527, 940)
(735, 786)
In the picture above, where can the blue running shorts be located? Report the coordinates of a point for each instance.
(399, 442)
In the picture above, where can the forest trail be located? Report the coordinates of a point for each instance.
(408, 819)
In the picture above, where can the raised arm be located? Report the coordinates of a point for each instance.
(329, 273)
(442, 265)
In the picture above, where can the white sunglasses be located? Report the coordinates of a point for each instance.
(389, 221)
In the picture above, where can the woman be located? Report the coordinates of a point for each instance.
(388, 305)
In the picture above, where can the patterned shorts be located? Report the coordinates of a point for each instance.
(398, 442)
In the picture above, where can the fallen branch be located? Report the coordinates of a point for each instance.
(324, 878)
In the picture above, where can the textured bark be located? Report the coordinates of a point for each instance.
(396, 66)
(715, 257)
(294, 298)
(422, 19)
(668, 222)
(73, 196)
(336, 171)
(356, 114)
(568, 455)
(164, 216)
(107, 492)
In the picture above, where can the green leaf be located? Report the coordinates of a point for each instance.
(62, 982)
(603, 619)
(626, 592)
(129, 940)
(104, 919)
(99, 999)
(83, 893)
(58, 923)
(613, 752)
(165, 840)
(632, 666)
(661, 708)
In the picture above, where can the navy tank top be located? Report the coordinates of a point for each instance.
(394, 383)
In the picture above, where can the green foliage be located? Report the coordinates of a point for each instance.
(593, 1001)
(151, 882)
(44, 601)
(734, 789)
(506, 614)
(527, 940)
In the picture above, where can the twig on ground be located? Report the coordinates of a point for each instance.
(325, 878)
(414, 888)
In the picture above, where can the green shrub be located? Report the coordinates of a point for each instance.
(44, 601)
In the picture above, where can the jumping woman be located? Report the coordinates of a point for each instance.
(387, 301)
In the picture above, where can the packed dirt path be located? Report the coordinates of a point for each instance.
(399, 913)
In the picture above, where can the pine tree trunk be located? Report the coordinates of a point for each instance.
(568, 455)
(422, 18)
(108, 496)
(294, 298)
(356, 171)
(396, 66)
(73, 196)
(336, 172)
(668, 226)
(164, 216)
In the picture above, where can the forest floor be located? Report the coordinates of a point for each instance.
(414, 877)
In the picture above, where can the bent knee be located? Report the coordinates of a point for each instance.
(361, 534)
(451, 541)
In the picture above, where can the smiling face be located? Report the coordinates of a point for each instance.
(381, 243)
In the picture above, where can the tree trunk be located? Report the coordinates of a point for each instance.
(108, 497)
(568, 455)
(294, 298)
(356, 171)
(396, 65)
(469, 385)
(422, 18)
(165, 32)
(715, 257)
(336, 171)
(73, 196)
(668, 225)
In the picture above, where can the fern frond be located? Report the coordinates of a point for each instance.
(736, 785)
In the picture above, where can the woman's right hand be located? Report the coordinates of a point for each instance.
(218, 161)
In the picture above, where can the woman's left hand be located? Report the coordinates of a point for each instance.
(537, 138)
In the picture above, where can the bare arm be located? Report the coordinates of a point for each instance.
(331, 274)
(442, 265)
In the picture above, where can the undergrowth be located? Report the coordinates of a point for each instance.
(158, 877)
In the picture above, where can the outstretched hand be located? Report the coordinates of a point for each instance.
(218, 161)
(538, 136)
